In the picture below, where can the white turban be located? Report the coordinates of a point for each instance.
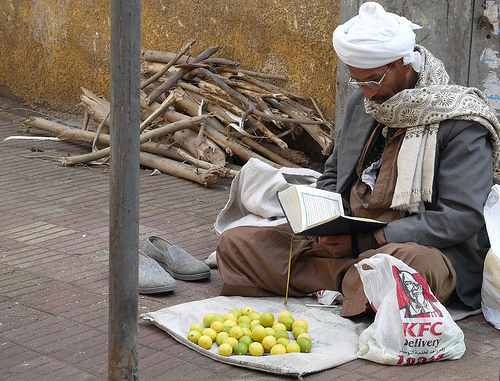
(375, 38)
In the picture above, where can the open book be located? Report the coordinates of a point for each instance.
(313, 211)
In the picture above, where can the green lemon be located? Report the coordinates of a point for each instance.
(288, 321)
(305, 344)
(240, 349)
(283, 341)
(297, 331)
(236, 312)
(267, 319)
(246, 339)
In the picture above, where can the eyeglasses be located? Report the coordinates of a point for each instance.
(370, 84)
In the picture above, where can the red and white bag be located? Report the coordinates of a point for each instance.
(411, 326)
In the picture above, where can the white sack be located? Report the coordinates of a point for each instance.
(490, 292)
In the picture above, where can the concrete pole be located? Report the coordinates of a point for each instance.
(124, 189)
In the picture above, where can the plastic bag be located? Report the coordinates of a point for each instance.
(490, 292)
(411, 326)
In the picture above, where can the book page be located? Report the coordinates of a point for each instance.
(317, 208)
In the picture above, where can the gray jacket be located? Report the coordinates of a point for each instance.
(463, 178)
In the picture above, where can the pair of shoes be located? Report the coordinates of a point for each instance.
(152, 278)
(175, 260)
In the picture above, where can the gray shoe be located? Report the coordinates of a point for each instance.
(175, 260)
(152, 278)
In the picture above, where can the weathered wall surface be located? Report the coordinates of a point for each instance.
(50, 48)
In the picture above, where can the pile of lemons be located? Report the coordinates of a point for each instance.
(246, 331)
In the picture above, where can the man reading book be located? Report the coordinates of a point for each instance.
(414, 151)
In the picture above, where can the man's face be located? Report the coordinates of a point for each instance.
(396, 80)
(413, 289)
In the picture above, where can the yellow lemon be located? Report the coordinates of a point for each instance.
(288, 321)
(236, 312)
(283, 314)
(278, 349)
(252, 327)
(268, 342)
(217, 326)
(279, 327)
(247, 332)
(206, 320)
(205, 341)
(267, 319)
(230, 323)
(197, 327)
(246, 310)
(240, 349)
(194, 336)
(230, 316)
(255, 322)
(258, 333)
(231, 341)
(297, 331)
(293, 347)
(254, 315)
(225, 350)
(244, 319)
(300, 323)
(256, 349)
(304, 334)
(305, 344)
(236, 332)
(210, 333)
(221, 336)
(269, 331)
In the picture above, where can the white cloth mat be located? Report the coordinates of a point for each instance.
(334, 339)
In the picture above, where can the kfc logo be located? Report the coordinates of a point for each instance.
(414, 297)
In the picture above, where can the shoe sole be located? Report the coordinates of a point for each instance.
(157, 290)
(199, 276)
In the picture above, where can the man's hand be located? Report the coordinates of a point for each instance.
(339, 246)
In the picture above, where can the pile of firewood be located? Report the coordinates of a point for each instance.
(199, 113)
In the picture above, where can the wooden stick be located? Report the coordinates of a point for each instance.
(202, 148)
(251, 109)
(183, 50)
(255, 74)
(324, 140)
(188, 105)
(179, 154)
(207, 178)
(164, 57)
(156, 113)
(81, 159)
(179, 74)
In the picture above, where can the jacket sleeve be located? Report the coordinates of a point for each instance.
(462, 181)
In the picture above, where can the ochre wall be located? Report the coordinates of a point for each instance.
(50, 48)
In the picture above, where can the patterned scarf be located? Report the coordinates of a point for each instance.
(420, 110)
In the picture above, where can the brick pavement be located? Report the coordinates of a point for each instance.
(54, 271)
